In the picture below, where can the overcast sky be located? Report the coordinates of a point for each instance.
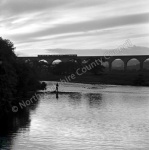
(37, 26)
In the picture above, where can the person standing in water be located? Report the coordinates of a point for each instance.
(57, 87)
(57, 90)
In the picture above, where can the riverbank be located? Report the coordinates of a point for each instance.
(112, 78)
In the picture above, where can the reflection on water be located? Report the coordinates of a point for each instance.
(88, 117)
(9, 126)
(75, 98)
(94, 99)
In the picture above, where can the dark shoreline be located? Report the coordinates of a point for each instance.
(99, 83)
(113, 78)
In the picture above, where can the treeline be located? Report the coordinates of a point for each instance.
(97, 74)
(47, 71)
(65, 68)
(16, 78)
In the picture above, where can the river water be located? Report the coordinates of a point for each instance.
(86, 117)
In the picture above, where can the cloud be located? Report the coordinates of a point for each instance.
(83, 27)
(98, 24)
(68, 23)
(101, 52)
(16, 7)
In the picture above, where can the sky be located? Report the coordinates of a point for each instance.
(83, 27)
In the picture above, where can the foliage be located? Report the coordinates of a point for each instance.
(7, 50)
(15, 77)
(140, 81)
(27, 78)
(64, 68)
(99, 68)
(69, 67)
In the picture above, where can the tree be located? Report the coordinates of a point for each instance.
(8, 59)
(15, 76)
(98, 68)
(140, 81)
(64, 68)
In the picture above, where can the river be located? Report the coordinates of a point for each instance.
(86, 117)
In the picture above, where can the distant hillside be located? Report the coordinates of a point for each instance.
(133, 50)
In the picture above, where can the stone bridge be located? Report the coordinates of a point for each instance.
(49, 58)
(109, 59)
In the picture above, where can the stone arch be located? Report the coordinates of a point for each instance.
(106, 65)
(133, 64)
(84, 61)
(41, 65)
(117, 64)
(146, 64)
(56, 61)
(30, 62)
(27, 60)
(43, 60)
(79, 61)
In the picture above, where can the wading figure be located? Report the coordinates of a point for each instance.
(57, 88)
